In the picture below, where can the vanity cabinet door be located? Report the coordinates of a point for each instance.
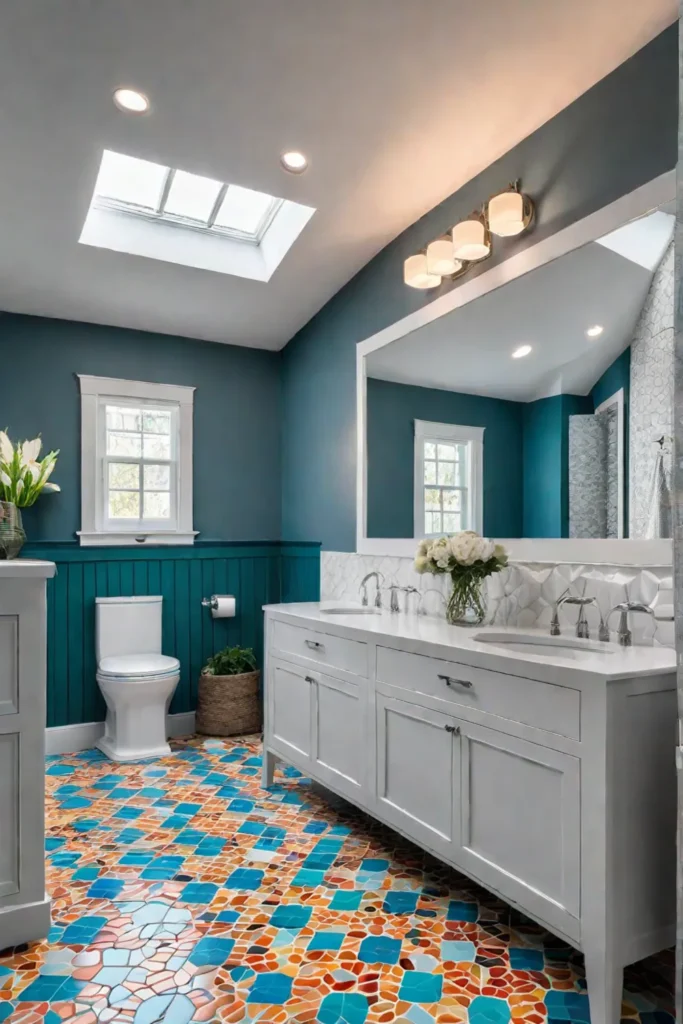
(520, 821)
(290, 711)
(418, 758)
(339, 748)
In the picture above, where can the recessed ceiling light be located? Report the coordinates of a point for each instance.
(595, 331)
(522, 351)
(294, 162)
(131, 101)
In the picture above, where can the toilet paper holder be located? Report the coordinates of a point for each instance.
(210, 602)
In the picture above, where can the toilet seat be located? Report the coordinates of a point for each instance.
(142, 667)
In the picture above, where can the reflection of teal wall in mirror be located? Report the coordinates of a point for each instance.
(616, 377)
(392, 410)
(546, 463)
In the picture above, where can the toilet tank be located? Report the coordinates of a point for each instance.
(127, 625)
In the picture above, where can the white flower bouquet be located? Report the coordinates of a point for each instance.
(23, 477)
(468, 559)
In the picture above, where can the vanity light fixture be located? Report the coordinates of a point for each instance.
(294, 161)
(440, 258)
(130, 101)
(416, 272)
(595, 331)
(522, 351)
(472, 239)
(509, 213)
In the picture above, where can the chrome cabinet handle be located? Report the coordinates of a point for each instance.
(455, 729)
(314, 645)
(309, 679)
(450, 681)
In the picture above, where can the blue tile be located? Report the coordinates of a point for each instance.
(73, 803)
(65, 860)
(374, 865)
(83, 930)
(211, 951)
(526, 959)
(292, 916)
(245, 878)
(266, 843)
(241, 806)
(420, 987)
(379, 949)
(190, 837)
(400, 902)
(86, 873)
(227, 792)
(5, 1010)
(136, 857)
(326, 940)
(60, 769)
(189, 809)
(566, 1006)
(227, 916)
(460, 911)
(346, 899)
(251, 828)
(270, 988)
(53, 843)
(128, 812)
(129, 835)
(315, 827)
(309, 878)
(459, 951)
(106, 888)
(343, 1008)
(489, 1010)
(198, 892)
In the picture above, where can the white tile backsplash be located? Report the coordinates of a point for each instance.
(522, 595)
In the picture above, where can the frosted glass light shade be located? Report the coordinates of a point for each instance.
(509, 214)
(416, 273)
(440, 258)
(471, 240)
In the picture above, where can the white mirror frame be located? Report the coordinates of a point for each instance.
(622, 551)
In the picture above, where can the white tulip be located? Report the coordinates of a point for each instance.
(19, 487)
(30, 450)
(6, 448)
(51, 487)
(4, 479)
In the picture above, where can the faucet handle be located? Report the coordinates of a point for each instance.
(624, 607)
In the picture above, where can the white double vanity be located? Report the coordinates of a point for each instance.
(547, 777)
(24, 904)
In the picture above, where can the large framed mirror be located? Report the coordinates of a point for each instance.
(534, 403)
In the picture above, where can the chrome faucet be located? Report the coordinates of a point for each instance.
(624, 634)
(555, 621)
(379, 579)
(395, 601)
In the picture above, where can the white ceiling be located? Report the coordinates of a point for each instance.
(396, 103)
(469, 350)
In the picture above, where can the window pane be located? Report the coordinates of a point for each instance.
(191, 195)
(446, 452)
(452, 522)
(124, 505)
(433, 522)
(130, 180)
(432, 499)
(430, 473)
(123, 418)
(124, 476)
(430, 450)
(156, 422)
(157, 478)
(446, 474)
(451, 501)
(157, 505)
(156, 446)
(124, 444)
(243, 209)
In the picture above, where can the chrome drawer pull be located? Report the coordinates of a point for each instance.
(455, 729)
(314, 645)
(450, 681)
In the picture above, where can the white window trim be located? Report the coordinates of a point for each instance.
(93, 390)
(454, 434)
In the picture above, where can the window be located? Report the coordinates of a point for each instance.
(448, 492)
(136, 462)
(145, 189)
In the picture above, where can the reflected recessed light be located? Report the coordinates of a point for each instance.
(595, 331)
(131, 101)
(522, 351)
(294, 162)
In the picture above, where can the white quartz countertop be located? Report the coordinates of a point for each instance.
(26, 568)
(425, 634)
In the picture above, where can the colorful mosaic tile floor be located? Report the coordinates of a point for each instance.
(184, 892)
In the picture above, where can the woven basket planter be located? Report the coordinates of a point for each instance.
(228, 705)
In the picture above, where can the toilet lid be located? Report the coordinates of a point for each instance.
(138, 665)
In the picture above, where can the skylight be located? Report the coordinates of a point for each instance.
(139, 187)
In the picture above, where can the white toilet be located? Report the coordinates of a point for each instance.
(136, 679)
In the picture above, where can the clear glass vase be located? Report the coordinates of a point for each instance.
(12, 536)
(467, 602)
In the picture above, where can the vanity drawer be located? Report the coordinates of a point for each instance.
(335, 651)
(555, 709)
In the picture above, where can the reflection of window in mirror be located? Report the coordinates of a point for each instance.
(448, 490)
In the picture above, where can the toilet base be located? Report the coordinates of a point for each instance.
(107, 747)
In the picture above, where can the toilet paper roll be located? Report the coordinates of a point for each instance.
(223, 606)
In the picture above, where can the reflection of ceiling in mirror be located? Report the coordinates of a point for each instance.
(469, 350)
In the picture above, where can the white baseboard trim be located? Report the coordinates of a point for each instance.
(69, 739)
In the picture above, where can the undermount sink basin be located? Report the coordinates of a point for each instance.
(567, 647)
(348, 609)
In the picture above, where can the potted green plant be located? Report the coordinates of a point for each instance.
(228, 701)
(23, 478)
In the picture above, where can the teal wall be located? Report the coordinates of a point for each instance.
(392, 409)
(237, 417)
(617, 136)
(256, 574)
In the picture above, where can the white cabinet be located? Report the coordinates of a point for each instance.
(291, 711)
(418, 772)
(24, 907)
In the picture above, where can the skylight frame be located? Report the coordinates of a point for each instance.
(160, 216)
